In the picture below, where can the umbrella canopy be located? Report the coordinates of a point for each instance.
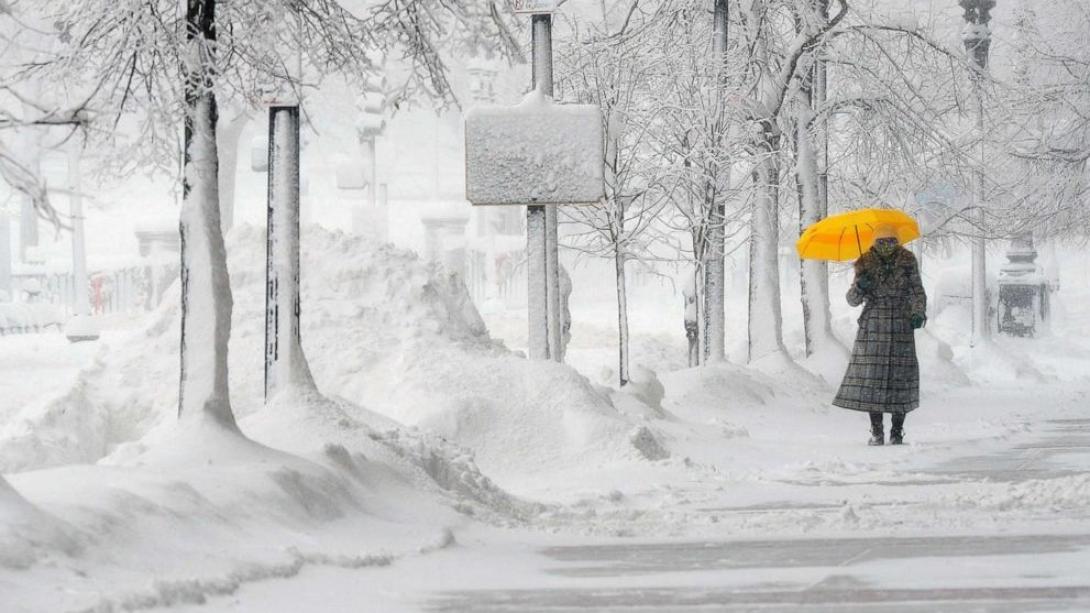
(845, 237)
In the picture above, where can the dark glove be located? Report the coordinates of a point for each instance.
(918, 321)
(864, 282)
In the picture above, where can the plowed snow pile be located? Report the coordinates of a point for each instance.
(382, 330)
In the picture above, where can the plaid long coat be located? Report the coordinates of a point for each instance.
(883, 375)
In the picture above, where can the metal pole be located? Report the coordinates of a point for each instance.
(536, 301)
(543, 82)
(543, 276)
(285, 364)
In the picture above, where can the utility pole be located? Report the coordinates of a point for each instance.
(977, 36)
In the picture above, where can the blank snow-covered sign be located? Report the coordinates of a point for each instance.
(537, 152)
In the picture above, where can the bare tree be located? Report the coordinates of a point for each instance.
(614, 72)
(159, 65)
(774, 73)
(1043, 126)
(695, 92)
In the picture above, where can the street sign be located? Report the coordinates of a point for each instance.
(535, 7)
(537, 152)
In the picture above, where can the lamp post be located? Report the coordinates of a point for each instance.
(977, 37)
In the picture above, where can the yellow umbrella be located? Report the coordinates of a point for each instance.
(844, 237)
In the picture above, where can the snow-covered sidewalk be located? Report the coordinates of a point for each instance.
(1001, 527)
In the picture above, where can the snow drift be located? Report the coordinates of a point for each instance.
(383, 330)
(26, 532)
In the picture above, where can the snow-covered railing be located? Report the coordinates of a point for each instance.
(492, 276)
(28, 317)
(46, 298)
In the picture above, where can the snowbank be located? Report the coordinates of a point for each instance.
(27, 533)
(197, 510)
(383, 330)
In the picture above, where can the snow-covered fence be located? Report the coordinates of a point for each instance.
(477, 276)
(45, 298)
(496, 277)
(26, 317)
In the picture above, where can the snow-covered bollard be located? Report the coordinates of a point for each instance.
(81, 328)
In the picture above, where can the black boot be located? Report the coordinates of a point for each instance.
(877, 432)
(897, 430)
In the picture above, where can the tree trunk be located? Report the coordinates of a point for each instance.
(714, 272)
(206, 288)
(286, 365)
(765, 317)
(714, 294)
(697, 233)
(811, 172)
(814, 277)
(699, 264)
(622, 318)
(228, 135)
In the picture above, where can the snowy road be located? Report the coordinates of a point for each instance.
(1030, 564)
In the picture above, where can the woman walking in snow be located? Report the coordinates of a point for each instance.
(884, 375)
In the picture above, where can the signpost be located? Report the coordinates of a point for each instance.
(539, 154)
